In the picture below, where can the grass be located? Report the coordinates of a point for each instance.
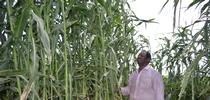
(79, 49)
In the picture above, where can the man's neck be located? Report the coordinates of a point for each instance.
(142, 66)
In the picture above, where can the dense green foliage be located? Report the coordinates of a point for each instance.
(187, 57)
(85, 49)
(65, 49)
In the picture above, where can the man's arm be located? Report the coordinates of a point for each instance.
(158, 87)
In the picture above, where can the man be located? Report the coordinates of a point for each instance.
(145, 83)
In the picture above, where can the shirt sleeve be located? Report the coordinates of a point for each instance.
(158, 87)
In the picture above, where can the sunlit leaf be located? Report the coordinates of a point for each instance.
(43, 35)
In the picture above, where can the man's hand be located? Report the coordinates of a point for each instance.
(117, 89)
(117, 92)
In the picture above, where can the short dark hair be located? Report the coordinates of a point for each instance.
(148, 55)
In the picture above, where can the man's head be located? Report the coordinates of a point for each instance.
(143, 58)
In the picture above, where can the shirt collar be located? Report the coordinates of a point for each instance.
(147, 67)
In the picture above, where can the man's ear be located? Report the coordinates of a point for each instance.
(148, 60)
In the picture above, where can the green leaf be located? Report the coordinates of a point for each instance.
(164, 5)
(43, 35)
(11, 72)
(189, 72)
(205, 90)
(101, 2)
(205, 7)
(194, 2)
(21, 21)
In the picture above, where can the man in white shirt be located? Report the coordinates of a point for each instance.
(145, 83)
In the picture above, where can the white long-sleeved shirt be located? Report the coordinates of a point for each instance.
(144, 85)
